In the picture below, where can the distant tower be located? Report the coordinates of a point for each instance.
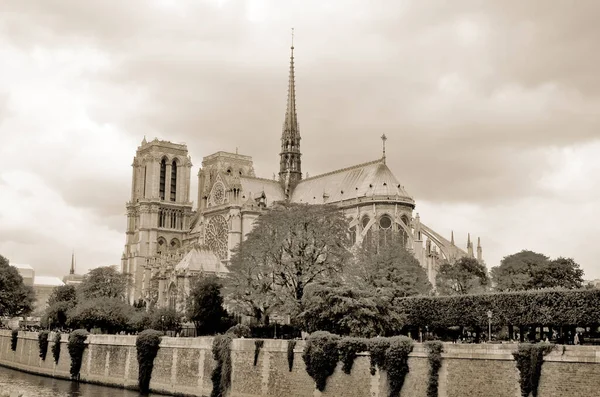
(290, 170)
(72, 271)
(479, 250)
(158, 214)
(469, 246)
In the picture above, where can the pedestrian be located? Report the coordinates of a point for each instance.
(576, 339)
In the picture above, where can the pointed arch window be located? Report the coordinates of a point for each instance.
(173, 180)
(163, 172)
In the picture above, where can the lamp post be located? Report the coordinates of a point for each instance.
(489, 314)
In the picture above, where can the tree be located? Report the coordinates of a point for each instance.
(344, 310)
(110, 314)
(392, 272)
(290, 247)
(62, 299)
(16, 298)
(205, 306)
(165, 319)
(530, 270)
(104, 282)
(465, 276)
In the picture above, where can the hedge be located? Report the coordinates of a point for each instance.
(76, 346)
(13, 339)
(146, 345)
(56, 347)
(43, 343)
(551, 307)
(221, 374)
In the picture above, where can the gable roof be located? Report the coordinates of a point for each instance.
(363, 180)
(253, 188)
(201, 259)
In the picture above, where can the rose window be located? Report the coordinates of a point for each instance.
(218, 196)
(217, 233)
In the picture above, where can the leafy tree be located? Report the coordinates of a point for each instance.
(104, 282)
(531, 270)
(344, 310)
(16, 298)
(392, 272)
(62, 299)
(111, 315)
(165, 319)
(205, 306)
(291, 247)
(465, 276)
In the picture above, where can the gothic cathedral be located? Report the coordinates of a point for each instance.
(168, 243)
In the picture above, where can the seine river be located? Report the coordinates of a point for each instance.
(15, 383)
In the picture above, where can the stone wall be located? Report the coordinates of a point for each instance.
(184, 365)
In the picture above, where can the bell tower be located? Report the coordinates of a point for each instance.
(158, 214)
(290, 164)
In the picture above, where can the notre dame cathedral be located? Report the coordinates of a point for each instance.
(168, 242)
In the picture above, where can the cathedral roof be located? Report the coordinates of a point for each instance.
(201, 259)
(370, 179)
(254, 187)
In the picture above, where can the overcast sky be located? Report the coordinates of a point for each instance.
(491, 108)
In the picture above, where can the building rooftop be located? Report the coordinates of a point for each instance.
(21, 266)
(47, 281)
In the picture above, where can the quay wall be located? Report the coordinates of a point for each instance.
(183, 367)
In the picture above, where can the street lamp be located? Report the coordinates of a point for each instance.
(489, 314)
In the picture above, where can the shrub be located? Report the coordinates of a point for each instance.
(13, 339)
(76, 347)
(290, 353)
(239, 331)
(221, 375)
(43, 344)
(147, 347)
(56, 347)
(258, 344)
(396, 363)
(529, 358)
(377, 348)
(434, 357)
(348, 348)
(321, 356)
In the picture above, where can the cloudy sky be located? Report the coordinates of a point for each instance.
(492, 110)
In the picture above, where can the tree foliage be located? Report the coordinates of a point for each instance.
(16, 298)
(529, 358)
(205, 306)
(290, 247)
(76, 346)
(391, 272)
(147, 345)
(112, 315)
(62, 299)
(465, 276)
(104, 282)
(346, 311)
(530, 270)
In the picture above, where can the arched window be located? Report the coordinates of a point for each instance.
(175, 243)
(163, 172)
(368, 237)
(386, 232)
(173, 180)
(353, 235)
(172, 297)
(161, 246)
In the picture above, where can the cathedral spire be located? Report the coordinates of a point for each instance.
(290, 170)
(452, 237)
(72, 271)
(479, 250)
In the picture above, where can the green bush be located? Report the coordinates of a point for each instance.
(555, 307)
(321, 356)
(146, 345)
(43, 343)
(377, 348)
(76, 347)
(434, 356)
(13, 339)
(258, 344)
(396, 363)
(529, 358)
(56, 347)
(240, 331)
(221, 375)
(348, 348)
(290, 353)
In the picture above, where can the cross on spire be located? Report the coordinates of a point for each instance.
(383, 139)
(292, 38)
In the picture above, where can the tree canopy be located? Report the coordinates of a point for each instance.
(205, 306)
(104, 282)
(531, 270)
(16, 298)
(465, 276)
(62, 299)
(290, 247)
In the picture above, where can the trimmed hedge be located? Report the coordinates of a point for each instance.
(146, 345)
(258, 344)
(221, 374)
(321, 356)
(239, 331)
(529, 358)
(290, 353)
(434, 356)
(13, 339)
(43, 343)
(76, 347)
(348, 349)
(555, 307)
(56, 347)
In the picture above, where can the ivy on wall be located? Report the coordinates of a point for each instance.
(258, 344)
(348, 348)
(76, 346)
(147, 345)
(13, 339)
(221, 374)
(434, 356)
(321, 356)
(396, 363)
(56, 347)
(290, 353)
(529, 358)
(43, 343)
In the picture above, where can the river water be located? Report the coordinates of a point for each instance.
(16, 383)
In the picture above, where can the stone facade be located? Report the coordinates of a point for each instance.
(184, 365)
(162, 228)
